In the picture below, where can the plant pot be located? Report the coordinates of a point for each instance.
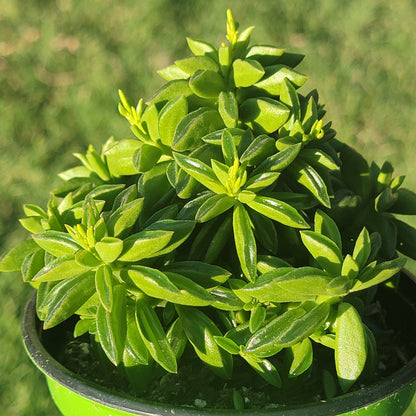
(78, 397)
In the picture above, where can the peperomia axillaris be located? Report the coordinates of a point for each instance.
(233, 226)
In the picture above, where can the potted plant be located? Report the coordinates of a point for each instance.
(234, 239)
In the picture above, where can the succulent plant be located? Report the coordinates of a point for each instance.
(233, 223)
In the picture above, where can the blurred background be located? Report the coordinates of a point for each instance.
(62, 61)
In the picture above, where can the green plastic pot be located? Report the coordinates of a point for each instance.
(78, 397)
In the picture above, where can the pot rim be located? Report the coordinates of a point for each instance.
(50, 367)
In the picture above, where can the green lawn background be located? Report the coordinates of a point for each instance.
(62, 61)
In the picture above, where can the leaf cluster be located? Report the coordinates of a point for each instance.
(233, 225)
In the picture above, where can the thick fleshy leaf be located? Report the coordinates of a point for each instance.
(275, 76)
(362, 248)
(119, 157)
(287, 284)
(302, 357)
(60, 269)
(279, 161)
(324, 251)
(245, 242)
(193, 64)
(154, 336)
(265, 231)
(123, 219)
(372, 276)
(225, 299)
(65, 298)
(151, 281)
(258, 182)
(31, 265)
(135, 351)
(145, 244)
(265, 369)
(172, 89)
(406, 239)
(257, 317)
(170, 116)
(263, 115)
(265, 54)
(247, 72)
(201, 172)
(201, 332)
(207, 83)
(194, 126)
(172, 72)
(104, 286)
(350, 345)
(214, 206)
(307, 176)
(262, 343)
(199, 47)
(112, 326)
(229, 149)
(278, 211)
(145, 157)
(326, 226)
(109, 249)
(228, 108)
(206, 275)
(258, 150)
(405, 203)
(56, 243)
(12, 261)
(149, 121)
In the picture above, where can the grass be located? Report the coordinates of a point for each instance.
(62, 61)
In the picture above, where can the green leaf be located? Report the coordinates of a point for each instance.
(135, 350)
(319, 159)
(122, 220)
(350, 346)
(257, 317)
(326, 226)
(289, 97)
(265, 369)
(245, 242)
(12, 261)
(119, 157)
(145, 157)
(276, 75)
(362, 248)
(258, 150)
(213, 207)
(172, 89)
(56, 243)
(191, 293)
(324, 251)
(247, 72)
(228, 147)
(405, 203)
(302, 357)
(265, 231)
(206, 275)
(86, 258)
(172, 72)
(181, 230)
(286, 284)
(265, 54)
(201, 172)
(201, 332)
(170, 116)
(279, 161)
(228, 108)
(194, 126)
(207, 83)
(193, 64)
(154, 336)
(262, 343)
(60, 269)
(263, 115)
(65, 298)
(109, 249)
(199, 47)
(225, 299)
(104, 286)
(145, 244)
(258, 182)
(278, 211)
(227, 344)
(372, 276)
(31, 265)
(151, 281)
(406, 239)
(307, 176)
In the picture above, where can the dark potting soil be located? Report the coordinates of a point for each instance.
(196, 386)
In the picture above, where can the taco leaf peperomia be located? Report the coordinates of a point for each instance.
(232, 225)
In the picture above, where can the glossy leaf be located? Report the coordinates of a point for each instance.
(12, 261)
(122, 220)
(324, 251)
(245, 242)
(109, 249)
(194, 126)
(263, 115)
(326, 226)
(199, 47)
(228, 146)
(169, 117)
(228, 108)
(362, 248)
(154, 336)
(201, 332)
(65, 298)
(257, 317)
(246, 72)
(302, 357)
(265, 54)
(265, 369)
(193, 64)
(279, 161)
(60, 269)
(56, 243)
(104, 286)
(350, 346)
(258, 150)
(214, 206)
(119, 157)
(145, 157)
(206, 83)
